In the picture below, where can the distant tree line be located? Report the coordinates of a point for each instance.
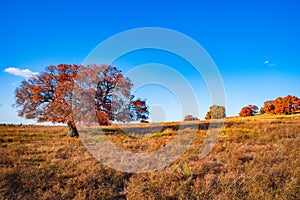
(281, 105)
(190, 118)
(215, 112)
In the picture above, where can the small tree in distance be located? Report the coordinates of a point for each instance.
(249, 110)
(190, 118)
(216, 112)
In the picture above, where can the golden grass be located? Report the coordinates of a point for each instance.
(255, 158)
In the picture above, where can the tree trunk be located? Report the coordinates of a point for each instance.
(73, 132)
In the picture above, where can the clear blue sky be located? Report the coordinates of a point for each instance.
(255, 44)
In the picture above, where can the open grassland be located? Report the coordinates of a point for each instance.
(255, 158)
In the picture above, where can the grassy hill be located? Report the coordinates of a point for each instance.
(255, 158)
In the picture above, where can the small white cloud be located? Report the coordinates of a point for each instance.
(26, 73)
(269, 63)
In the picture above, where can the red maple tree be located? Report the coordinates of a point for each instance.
(249, 110)
(139, 109)
(269, 107)
(93, 93)
(285, 105)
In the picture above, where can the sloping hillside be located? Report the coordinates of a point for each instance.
(255, 158)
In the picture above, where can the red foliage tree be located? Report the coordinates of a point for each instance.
(269, 107)
(139, 110)
(297, 104)
(103, 89)
(249, 110)
(282, 106)
(245, 112)
(101, 94)
(285, 105)
(294, 103)
(47, 97)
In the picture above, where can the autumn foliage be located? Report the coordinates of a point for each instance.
(98, 93)
(216, 112)
(269, 106)
(140, 110)
(249, 110)
(48, 96)
(102, 95)
(190, 118)
(285, 105)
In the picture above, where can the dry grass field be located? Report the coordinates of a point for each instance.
(255, 158)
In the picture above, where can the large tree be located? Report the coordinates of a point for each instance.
(48, 96)
(101, 89)
(102, 95)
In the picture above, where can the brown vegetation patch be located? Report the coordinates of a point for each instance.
(255, 158)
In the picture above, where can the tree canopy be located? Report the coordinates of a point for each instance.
(285, 105)
(190, 118)
(216, 112)
(249, 110)
(93, 92)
